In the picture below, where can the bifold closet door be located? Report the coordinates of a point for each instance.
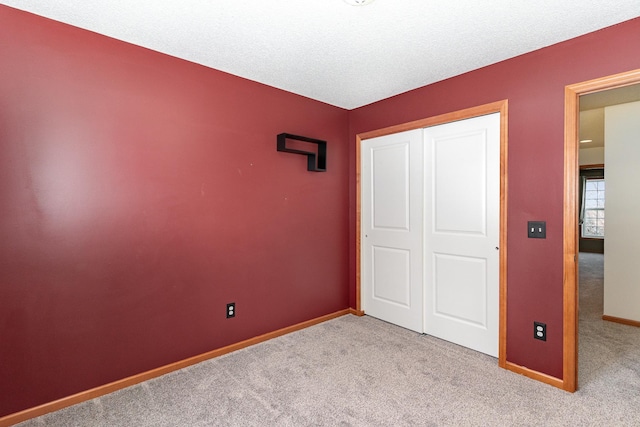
(430, 215)
(462, 232)
(391, 249)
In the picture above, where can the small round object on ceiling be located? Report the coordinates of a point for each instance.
(358, 2)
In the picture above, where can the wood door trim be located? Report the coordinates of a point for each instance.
(467, 113)
(570, 223)
(481, 110)
(588, 167)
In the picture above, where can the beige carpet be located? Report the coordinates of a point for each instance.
(609, 353)
(365, 372)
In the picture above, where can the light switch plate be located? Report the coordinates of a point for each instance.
(537, 229)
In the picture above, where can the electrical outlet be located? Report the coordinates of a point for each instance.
(540, 331)
(231, 310)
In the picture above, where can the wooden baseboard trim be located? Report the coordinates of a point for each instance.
(538, 376)
(355, 312)
(56, 405)
(621, 320)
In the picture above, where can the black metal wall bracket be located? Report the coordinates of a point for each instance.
(312, 165)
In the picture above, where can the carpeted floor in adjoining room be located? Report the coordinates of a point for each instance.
(608, 353)
(365, 372)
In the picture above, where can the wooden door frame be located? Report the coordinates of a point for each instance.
(572, 94)
(494, 107)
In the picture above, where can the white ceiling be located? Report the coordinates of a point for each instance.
(592, 112)
(343, 55)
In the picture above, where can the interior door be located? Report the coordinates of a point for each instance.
(462, 221)
(392, 184)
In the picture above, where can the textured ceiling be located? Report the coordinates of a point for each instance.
(343, 55)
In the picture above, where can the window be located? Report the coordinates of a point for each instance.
(593, 225)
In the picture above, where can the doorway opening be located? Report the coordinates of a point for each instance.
(571, 210)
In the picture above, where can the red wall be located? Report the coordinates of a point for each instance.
(534, 85)
(139, 194)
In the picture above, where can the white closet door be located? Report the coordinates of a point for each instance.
(392, 258)
(462, 219)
